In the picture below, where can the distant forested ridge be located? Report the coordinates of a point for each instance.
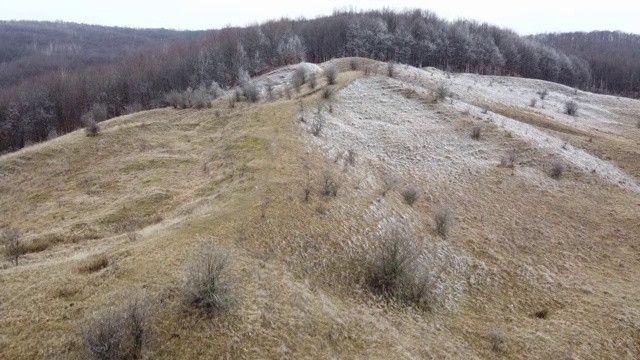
(613, 56)
(54, 101)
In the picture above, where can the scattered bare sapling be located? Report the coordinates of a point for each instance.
(571, 108)
(298, 78)
(330, 184)
(210, 281)
(11, 242)
(476, 131)
(331, 73)
(442, 218)
(410, 195)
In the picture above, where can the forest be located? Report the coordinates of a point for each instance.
(49, 81)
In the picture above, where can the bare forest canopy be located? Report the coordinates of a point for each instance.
(614, 58)
(54, 100)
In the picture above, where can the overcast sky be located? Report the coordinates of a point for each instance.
(526, 17)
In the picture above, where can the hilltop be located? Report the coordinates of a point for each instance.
(539, 258)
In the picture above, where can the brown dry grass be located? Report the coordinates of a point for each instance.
(572, 251)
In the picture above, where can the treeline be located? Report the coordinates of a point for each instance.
(33, 48)
(55, 102)
(614, 58)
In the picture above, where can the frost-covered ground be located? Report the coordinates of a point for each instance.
(411, 136)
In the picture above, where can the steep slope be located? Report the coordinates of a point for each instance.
(532, 267)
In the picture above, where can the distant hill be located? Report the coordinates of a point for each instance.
(32, 48)
(614, 57)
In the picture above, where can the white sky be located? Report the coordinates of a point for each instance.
(525, 17)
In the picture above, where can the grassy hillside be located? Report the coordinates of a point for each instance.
(531, 266)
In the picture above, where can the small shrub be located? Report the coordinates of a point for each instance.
(327, 92)
(442, 217)
(533, 102)
(557, 168)
(264, 205)
(119, 332)
(250, 90)
(287, 92)
(209, 284)
(312, 81)
(11, 242)
(476, 131)
(351, 157)
(410, 195)
(353, 64)
(498, 342)
(269, 89)
(543, 94)
(367, 70)
(307, 192)
(298, 77)
(509, 160)
(331, 73)
(391, 69)
(215, 90)
(133, 108)
(571, 108)
(316, 127)
(388, 183)
(175, 99)
(441, 92)
(95, 263)
(232, 102)
(199, 98)
(396, 272)
(330, 185)
(91, 128)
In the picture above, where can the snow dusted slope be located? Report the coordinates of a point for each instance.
(396, 122)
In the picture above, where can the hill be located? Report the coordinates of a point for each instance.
(529, 266)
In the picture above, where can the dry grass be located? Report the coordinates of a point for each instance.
(302, 292)
(95, 263)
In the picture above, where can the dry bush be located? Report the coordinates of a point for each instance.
(388, 183)
(410, 195)
(175, 99)
(313, 81)
(368, 70)
(264, 205)
(119, 332)
(250, 90)
(215, 90)
(476, 131)
(498, 342)
(11, 242)
(268, 86)
(571, 108)
(95, 263)
(441, 92)
(351, 157)
(543, 94)
(557, 168)
(199, 98)
(330, 184)
(307, 192)
(396, 272)
(327, 92)
(316, 127)
(133, 108)
(442, 218)
(298, 77)
(533, 102)
(391, 69)
(353, 64)
(232, 102)
(210, 281)
(36, 245)
(509, 160)
(331, 73)
(91, 127)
